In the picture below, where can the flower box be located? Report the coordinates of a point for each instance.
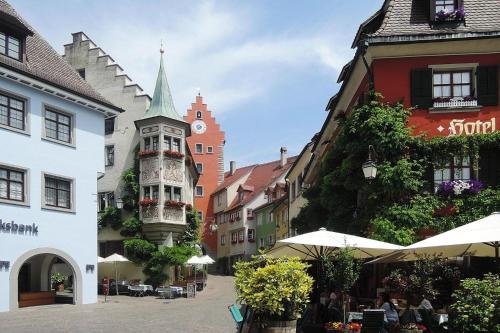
(458, 187)
(238, 218)
(148, 202)
(172, 153)
(174, 204)
(453, 15)
(148, 153)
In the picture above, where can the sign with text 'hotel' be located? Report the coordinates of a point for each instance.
(459, 127)
(19, 228)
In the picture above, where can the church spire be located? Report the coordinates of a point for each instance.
(162, 103)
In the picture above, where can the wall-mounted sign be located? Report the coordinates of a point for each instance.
(19, 228)
(461, 127)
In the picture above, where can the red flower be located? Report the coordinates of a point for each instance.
(148, 153)
(148, 202)
(174, 203)
(172, 153)
(189, 207)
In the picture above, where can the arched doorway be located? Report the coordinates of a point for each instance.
(44, 276)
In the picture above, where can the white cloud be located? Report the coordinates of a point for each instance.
(213, 48)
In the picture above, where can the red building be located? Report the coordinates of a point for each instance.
(207, 146)
(439, 57)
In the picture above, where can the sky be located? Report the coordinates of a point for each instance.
(266, 69)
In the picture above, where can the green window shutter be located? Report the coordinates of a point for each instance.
(421, 88)
(432, 10)
(487, 85)
(489, 160)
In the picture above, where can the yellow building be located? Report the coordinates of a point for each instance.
(280, 214)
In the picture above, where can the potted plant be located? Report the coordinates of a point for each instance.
(58, 281)
(276, 289)
(476, 305)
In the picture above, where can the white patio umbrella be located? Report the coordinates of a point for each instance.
(312, 245)
(207, 260)
(100, 259)
(115, 258)
(480, 238)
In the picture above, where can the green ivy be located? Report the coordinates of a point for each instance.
(400, 202)
(139, 250)
(131, 227)
(192, 234)
(111, 216)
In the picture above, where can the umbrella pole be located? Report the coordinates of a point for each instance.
(195, 284)
(497, 263)
(116, 279)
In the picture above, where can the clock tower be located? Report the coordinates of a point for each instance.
(207, 146)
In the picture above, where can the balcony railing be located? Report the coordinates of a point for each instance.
(455, 103)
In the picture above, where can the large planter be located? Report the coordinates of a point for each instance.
(280, 327)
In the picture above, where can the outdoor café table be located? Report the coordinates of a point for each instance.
(141, 289)
(441, 317)
(177, 290)
(358, 317)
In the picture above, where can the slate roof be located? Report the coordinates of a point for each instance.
(412, 18)
(262, 176)
(45, 64)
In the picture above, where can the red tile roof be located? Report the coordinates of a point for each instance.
(262, 176)
(231, 179)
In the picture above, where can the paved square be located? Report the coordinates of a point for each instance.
(207, 313)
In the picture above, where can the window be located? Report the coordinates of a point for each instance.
(57, 126)
(241, 196)
(234, 237)
(458, 169)
(270, 240)
(259, 219)
(198, 148)
(81, 72)
(198, 114)
(241, 236)
(106, 200)
(219, 199)
(10, 46)
(199, 167)
(251, 235)
(222, 240)
(210, 150)
(110, 155)
(452, 84)
(199, 191)
(168, 142)
(151, 192)
(200, 215)
(176, 145)
(249, 213)
(261, 242)
(57, 192)
(294, 190)
(12, 112)
(445, 5)
(109, 125)
(173, 193)
(177, 194)
(12, 184)
(151, 143)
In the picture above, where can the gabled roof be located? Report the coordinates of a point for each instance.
(246, 187)
(45, 64)
(411, 18)
(231, 179)
(261, 177)
(162, 103)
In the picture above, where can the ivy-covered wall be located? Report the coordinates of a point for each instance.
(401, 204)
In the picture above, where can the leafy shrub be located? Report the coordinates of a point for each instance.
(139, 250)
(131, 227)
(477, 304)
(168, 256)
(111, 216)
(276, 289)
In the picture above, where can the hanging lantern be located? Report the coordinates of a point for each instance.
(370, 167)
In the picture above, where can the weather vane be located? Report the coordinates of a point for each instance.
(161, 47)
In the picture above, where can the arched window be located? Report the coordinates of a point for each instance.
(198, 114)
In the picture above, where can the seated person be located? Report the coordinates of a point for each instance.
(425, 304)
(391, 313)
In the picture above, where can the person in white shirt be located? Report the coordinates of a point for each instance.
(391, 312)
(425, 304)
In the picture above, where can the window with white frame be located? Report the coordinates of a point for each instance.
(13, 184)
(219, 199)
(12, 112)
(222, 240)
(199, 167)
(241, 236)
(270, 240)
(58, 126)
(151, 143)
(151, 192)
(110, 155)
(445, 5)
(10, 46)
(198, 148)
(456, 169)
(58, 192)
(105, 200)
(173, 193)
(199, 191)
(234, 237)
(210, 149)
(261, 242)
(452, 84)
(251, 235)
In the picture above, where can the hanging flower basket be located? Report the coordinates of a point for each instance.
(458, 187)
(148, 202)
(173, 154)
(453, 15)
(148, 153)
(174, 204)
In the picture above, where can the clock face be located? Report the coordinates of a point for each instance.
(199, 126)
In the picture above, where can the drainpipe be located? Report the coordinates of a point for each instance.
(363, 46)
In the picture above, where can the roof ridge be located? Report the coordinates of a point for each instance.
(388, 11)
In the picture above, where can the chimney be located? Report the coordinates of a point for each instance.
(232, 167)
(283, 156)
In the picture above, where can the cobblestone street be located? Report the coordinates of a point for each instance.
(207, 313)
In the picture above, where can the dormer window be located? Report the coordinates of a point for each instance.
(447, 10)
(241, 195)
(10, 46)
(445, 5)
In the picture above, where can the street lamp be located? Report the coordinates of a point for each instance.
(370, 167)
(119, 203)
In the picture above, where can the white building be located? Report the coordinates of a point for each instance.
(51, 135)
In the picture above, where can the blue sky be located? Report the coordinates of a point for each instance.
(265, 68)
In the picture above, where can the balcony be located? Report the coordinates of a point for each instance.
(454, 102)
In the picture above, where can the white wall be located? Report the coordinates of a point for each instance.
(72, 233)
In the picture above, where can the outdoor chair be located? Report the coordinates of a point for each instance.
(429, 322)
(373, 321)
